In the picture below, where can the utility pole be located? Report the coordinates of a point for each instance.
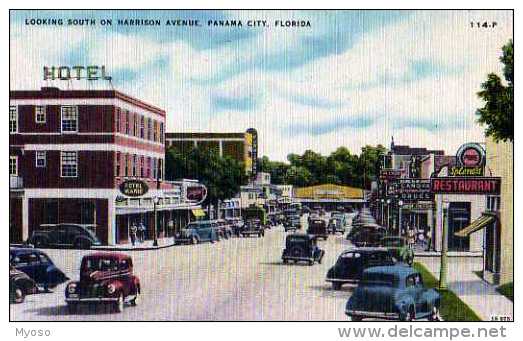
(444, 266)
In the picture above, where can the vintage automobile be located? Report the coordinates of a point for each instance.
(252, 227)
(196, 232)
(38, 266)
(393, 292)
(224, 229)
(64, 235)
(318, 228)
(292, 223)
(104, 278)
(336, 225)
(399, 248)
(367, 236)
(351, 263)
(20, 285)
(236, 225)
(302, 247)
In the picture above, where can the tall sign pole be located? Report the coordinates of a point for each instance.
(444, 267)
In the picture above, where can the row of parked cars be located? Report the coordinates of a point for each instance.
(214, 230)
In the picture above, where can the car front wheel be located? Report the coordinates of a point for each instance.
(118, 306)
(134, 302)
(408, 315)
(435, 316)
(355, 318)
(19, 295)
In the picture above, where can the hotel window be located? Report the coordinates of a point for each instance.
(40, 158)
(134, 164)
(154, 168)
(160, 168)
(142, 166)
(69, 165)
(117, 120)
(13, 119)
(117, 163)
(69, 119)
(136, 128)
(13, 165)
(126, 165)
(40, 114)
(142, 127)
(148, 167)
(161, 132)
(155, 130)
(149, 129)
(127, 131)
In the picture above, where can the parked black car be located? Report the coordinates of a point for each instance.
(64, 235)
(38, 266)
(302, 247)
(367, 236)
(252, 227)
(20, 285)
(351, 263)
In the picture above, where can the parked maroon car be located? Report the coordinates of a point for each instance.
(104, 278)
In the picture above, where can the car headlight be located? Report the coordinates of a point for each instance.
(111, 289)
(71, 288)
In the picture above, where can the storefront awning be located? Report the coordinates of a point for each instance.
(198, 212)
(476, 225)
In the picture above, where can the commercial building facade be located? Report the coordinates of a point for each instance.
(70, 150)
(240, 146)
(329, 196)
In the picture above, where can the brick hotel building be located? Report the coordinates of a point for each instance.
(69, 152)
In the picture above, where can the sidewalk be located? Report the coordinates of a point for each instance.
(146, 245)
(471, 289)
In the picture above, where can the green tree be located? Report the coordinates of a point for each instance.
(498, 112)
(298, 176)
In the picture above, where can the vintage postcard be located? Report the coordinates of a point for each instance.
(268, 165)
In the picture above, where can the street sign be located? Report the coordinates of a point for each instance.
(471, 155)
(466, 185)
(134, 188)
(196, 193)
(390, 173)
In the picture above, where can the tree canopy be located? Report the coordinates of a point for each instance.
(498, 112)
(311, 168)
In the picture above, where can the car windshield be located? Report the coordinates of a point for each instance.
(100, 264)
(378, 279)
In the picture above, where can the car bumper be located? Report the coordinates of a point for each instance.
(297, 258)
(372, 314)
(90, 299)
(341, 280)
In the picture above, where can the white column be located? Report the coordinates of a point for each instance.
(221, 147)
(111, 221)
(25, 218)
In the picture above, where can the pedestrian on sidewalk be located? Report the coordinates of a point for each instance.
(133, 232)
(141, 230)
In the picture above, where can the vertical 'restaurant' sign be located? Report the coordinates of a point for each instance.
(254, 151)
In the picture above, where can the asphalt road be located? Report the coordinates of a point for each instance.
(235, 279)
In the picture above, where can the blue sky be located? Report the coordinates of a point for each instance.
(352, 78)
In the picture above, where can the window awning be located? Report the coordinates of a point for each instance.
(476, 225)
(198, 212)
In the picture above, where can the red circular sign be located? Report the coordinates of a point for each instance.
(471, 157)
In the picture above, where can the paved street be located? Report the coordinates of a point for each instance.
(235, 279)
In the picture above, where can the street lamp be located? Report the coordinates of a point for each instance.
(382, 209)
(156, 200)
(444, 266)
(400, 204)
(388, 212)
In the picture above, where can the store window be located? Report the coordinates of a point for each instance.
(13, 165)
(87, 212)
(69, 119)
(69, 164)
(40, 116)
(41, 158)
(50, 212)
(13, 119)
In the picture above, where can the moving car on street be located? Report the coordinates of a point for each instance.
(292, 223)
(351, 263)
(318, 228)
(399, 248)
(20, 285)
(302, 247)
(38, 266)
(104, 278)
(336, 225)
(393, 292)
(77, 236)
(197, 232)
(253, 227)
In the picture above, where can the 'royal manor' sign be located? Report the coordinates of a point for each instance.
(134, 188)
